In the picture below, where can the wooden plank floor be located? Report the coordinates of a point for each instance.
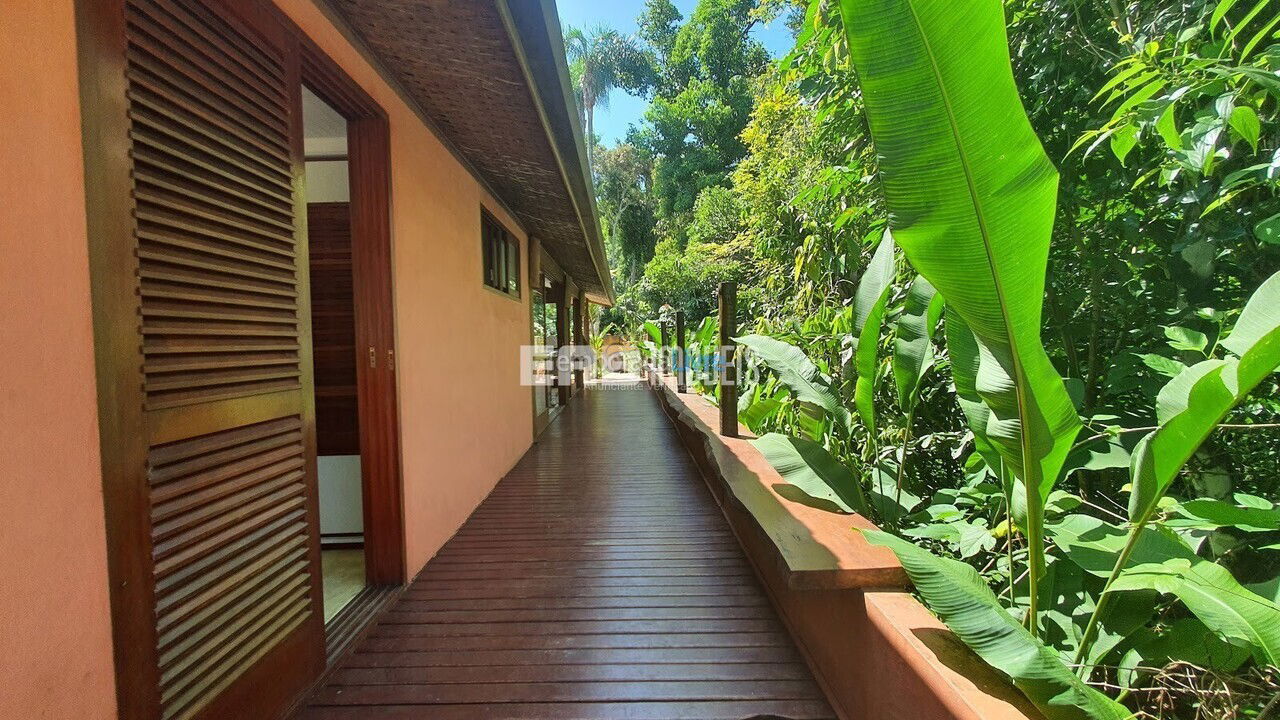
(598, 580)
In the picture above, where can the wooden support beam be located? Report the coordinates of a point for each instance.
(728, 377)
(682, 361)
(582, 310)
(560, 295)
(664, 354)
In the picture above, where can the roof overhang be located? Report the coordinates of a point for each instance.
(490, 77)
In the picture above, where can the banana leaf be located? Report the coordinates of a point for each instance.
(971, 197)
(1161, 561)
(1093, 544)
(1216, 598)
(653, 331)
(868, 316)
(1189, 640)
(959, 595)
(706, 332)
(913, 340)
(963, 348)
(1193, 403)
(800, 375)
(809, 466)
(758, 411)
(1211, 514)
(890, 503)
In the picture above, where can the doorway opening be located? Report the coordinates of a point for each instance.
(334, 353)
(347, 189)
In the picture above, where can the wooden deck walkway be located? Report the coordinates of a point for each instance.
(598, 580)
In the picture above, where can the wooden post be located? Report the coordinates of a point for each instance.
(561, 294)
(728, 371)
(664, 357)
(682, 361)
(582, 310)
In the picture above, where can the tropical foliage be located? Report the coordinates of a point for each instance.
(602, 60)
(1011, 274)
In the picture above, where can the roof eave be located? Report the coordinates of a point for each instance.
(536, 38)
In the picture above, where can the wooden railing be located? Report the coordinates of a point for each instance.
(727, 375)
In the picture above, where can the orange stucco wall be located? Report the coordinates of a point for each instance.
(465, 419)
(55, 632)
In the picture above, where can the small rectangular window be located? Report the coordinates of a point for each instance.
(513, 267)
(501, 254)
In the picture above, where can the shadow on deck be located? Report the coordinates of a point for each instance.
(598, 580)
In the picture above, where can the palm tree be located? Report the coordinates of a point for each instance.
(601, 60)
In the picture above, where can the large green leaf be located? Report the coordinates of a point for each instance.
(1100, 454)
(966, 604)
(1258, 321)
(1193, 403)
(809, 466)
(971, 198)
(799, 374)
(1189, 640)
(1093, 544)
(1216, 598)
(874, 283)
(1209, 514)
(653, 331)
(913, 340)
(1069, 603)
(759, 411)
(963, 349)
(1161, 562)
(706, 332)
(868, 316)
(890, 502)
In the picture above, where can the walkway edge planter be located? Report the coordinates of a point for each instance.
(877, 652)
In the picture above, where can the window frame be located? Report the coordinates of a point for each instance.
(499, 256)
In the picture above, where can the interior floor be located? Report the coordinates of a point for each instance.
(343, 572)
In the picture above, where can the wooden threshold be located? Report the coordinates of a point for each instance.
(353, 620)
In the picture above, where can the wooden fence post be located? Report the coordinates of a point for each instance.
(682, 361)
(728, 371)
(664, 357)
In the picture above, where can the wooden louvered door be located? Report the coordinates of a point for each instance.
(202, 333)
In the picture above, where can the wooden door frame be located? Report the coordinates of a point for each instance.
(369, 172)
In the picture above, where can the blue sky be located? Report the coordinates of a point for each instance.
(611, 123)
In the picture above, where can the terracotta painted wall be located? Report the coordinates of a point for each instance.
(465, 418)
(55, 630)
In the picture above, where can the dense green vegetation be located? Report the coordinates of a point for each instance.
(1076, 460)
